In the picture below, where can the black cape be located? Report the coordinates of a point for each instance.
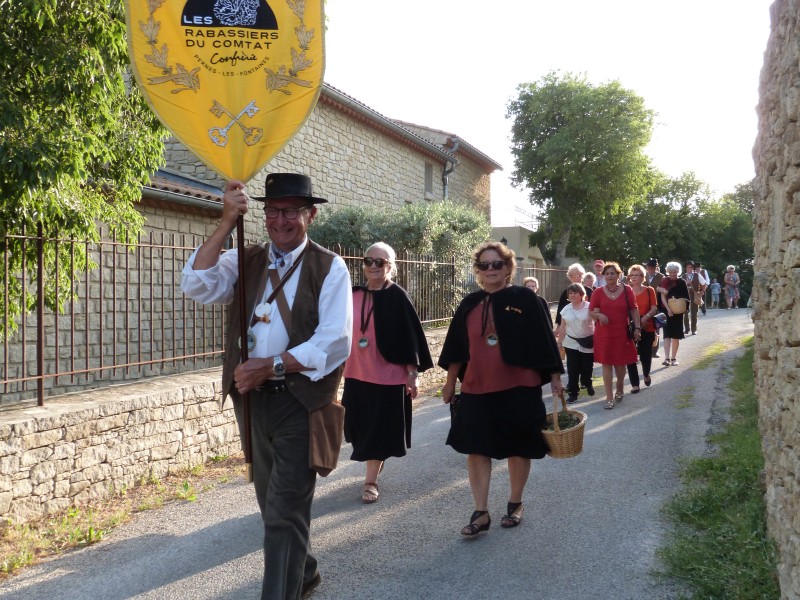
(398, 332)
(524, 332)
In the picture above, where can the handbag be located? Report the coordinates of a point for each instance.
(325, 431)
(631, 325)
(584, 342)
(678, 306)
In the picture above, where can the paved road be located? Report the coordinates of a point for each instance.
(591, 525)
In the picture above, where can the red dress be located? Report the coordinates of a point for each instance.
(611, 343)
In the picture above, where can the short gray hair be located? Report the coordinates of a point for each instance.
(576, 267)
(672, 265)
(389, 252)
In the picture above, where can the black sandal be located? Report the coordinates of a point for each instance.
(514, 516)
(473, 528)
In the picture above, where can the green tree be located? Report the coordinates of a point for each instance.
(728, 224)
(443, 229)
(76, 141)
(579, 149)
(678, 220)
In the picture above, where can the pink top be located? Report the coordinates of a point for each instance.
(367, 364)
(486, 372)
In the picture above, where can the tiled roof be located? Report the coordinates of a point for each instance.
(455, 144)
(168, 181)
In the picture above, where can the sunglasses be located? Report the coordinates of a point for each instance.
(378, 262)
(494, 264)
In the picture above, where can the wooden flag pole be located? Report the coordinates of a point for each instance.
(244, 326)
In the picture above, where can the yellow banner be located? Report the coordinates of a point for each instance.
(233, 80)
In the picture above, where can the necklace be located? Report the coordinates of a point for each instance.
(612, 291)
(363, 342)
(486, 316)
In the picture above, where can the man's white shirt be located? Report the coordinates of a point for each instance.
(327, 348)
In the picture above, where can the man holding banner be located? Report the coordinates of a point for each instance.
(299, 309)
(234, 82)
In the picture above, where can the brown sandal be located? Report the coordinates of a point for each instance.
(370, 494)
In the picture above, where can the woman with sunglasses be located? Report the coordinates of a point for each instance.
(500, 345)
(381, 377)
(611, 307)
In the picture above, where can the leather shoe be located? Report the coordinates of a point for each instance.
(311, 585)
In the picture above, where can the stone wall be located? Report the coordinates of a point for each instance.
(776, 286)
(470, 184)
(85, 446)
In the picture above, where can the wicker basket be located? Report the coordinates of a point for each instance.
(678, 306)
(564, 443)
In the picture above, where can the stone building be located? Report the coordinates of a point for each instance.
(776, 286)
(358, 157)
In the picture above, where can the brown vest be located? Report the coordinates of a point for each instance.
(694, 285)
(316, 265)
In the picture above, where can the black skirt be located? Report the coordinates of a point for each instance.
(673, 328)
(499, 424)
(377, 419)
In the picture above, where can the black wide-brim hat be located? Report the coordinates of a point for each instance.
(288, 185)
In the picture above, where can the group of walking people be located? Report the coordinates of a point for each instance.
(612, 324)
(618, 324)
(308, 326)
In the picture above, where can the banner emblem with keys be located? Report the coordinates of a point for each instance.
(233, 80)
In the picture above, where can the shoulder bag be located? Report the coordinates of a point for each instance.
(677, 305)
(325, 425)
(584, 342)
(631, 324)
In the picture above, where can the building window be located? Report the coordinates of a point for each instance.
(428, 181)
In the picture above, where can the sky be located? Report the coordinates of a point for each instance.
(454, 66)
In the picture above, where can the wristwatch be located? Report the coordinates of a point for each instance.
(277, 366)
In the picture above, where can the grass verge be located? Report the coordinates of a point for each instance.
(718, 546)
(22, 545)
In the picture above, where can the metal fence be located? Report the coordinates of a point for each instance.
(127, 319)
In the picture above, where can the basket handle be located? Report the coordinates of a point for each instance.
(555, 409)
